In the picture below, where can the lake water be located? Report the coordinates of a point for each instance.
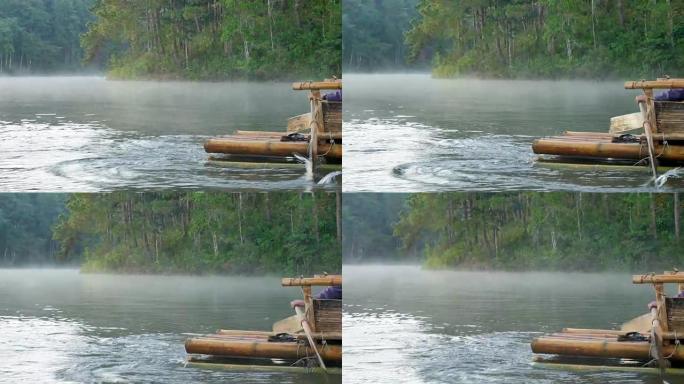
(60, 326)
(412, 133)
(89, 134)
(406, 325)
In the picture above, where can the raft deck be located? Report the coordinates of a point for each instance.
(298, 340)
(317, 134)
(668, 148)
(255, 144)
(661, 121)
(651, 337)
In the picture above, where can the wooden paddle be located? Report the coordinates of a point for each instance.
(624, 123)
(641, 324)
(309, 336)
(289, 325)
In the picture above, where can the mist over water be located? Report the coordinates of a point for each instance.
(407, 325)
(412, 133)
(89, 134)
(63, 326)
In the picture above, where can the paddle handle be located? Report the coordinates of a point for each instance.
(307, 331)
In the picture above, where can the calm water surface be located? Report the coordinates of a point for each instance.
(89, 134)
(413, 133)
(59, 326)
(475, 327)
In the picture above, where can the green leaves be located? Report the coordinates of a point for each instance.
(246, 233)
(218, 39)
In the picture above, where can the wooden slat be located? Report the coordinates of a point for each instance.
(316, 85)
(655, 84)
(654, 279)
(315, 281)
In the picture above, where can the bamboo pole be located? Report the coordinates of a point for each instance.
(646, 113)
(602, 368)
(316, 85)
(254, 147)
(312, 281)
(655, 84)
(630, 151)
(256, 349)
(260, 368)
(601, 348)
(658, 279)
(308, 332)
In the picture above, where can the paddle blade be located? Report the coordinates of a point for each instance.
(289, 325)
(641, 324)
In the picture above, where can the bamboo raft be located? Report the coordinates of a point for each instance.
(320, 129)
(309, 340)
(650, 338)
(662, 140)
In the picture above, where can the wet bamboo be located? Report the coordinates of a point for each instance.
(268, 148)
(602, 368)
(631, 151)
(601, 348)
(257, 349)
(316, 335)
(261, 368)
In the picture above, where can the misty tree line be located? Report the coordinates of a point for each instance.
(526, 230)
(175, 232)
(42, 35)
(550, 38)
(215, 39)
(373, 33)
(26, 221)
(578, 231)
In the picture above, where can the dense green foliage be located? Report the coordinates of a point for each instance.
(283, 233)
(373, 33)
(217, 39)
(26, 221)
(367, 224)
(38, 36)
(179, 232)
(551, 38)
(568, 231)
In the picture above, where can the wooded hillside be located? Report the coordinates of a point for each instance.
(550, 38)
(523, 231)
(217, 39)
(42, 36)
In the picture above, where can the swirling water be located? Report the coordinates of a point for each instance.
(60, 326)
(413, 133)
(82, 134)
(403, 324)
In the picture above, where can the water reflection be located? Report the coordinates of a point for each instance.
(58, 326)
(424, 134)
(475, 327)
(88, 134)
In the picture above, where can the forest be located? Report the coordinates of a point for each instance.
(550, 38)
(177, 39)
(42, 36)
(373, 34)
(174, 232)
(217, 39)
(368, 225)
(526, 230)
(26, 221)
